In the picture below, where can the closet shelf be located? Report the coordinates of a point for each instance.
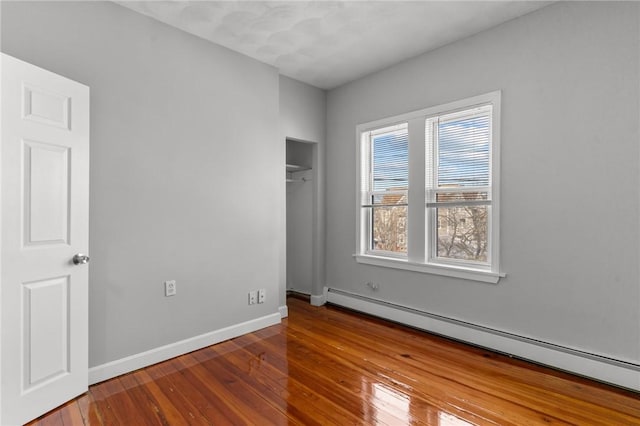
(298, 180)
(291, 168)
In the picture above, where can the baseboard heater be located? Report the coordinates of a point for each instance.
(610, 370)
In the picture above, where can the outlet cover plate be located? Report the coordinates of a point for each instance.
(170, 288)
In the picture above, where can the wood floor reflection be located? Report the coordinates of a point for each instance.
(335, 367)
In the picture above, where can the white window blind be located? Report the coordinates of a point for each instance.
(390, 158)
(464, 149)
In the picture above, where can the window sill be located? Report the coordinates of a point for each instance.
(448, 271)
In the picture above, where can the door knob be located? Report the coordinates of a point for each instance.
(80, 259)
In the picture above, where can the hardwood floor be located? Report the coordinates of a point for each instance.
(331, 366)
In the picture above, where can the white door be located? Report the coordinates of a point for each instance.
(44, 209)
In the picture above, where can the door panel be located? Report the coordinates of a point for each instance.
(45, 107)
(44, 221)
(45, 331)
(46, 189)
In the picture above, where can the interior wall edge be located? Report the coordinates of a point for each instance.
(284, 311)
(317, 300)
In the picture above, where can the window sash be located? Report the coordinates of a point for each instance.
(433, 256)
(465, 186)
(472, 139)
(458, 197)
(387, 168)
(368, 213)
(385, 188)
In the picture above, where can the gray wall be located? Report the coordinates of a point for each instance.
(184, 148)
(302, 111)
(569, 75)
(186, 171)
(303, 118)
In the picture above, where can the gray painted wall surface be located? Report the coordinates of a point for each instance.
(302, 110)
(303, 117)
(186, 171)
(569, 76)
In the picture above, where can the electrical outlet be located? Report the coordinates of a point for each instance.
(170, 288)
(253, 297)
(262, 293)
(373, 286)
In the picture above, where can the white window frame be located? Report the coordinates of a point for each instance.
(421, 221)
(366, 195)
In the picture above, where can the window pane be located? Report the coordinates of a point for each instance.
(462, 233)
(389, 228)
(394, 198)
(463, 149)
(390, 155)
(389, 181)
(451, 197)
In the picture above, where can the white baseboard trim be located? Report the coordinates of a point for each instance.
(284, 311)
(144, 359)
(616, 372)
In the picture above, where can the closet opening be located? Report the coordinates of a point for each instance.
(305, 224)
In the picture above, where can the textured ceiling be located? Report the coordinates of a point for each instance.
(329, 43)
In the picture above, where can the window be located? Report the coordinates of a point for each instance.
(429, 188)
(385, 189)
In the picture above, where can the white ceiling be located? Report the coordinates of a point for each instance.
(329, 43)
